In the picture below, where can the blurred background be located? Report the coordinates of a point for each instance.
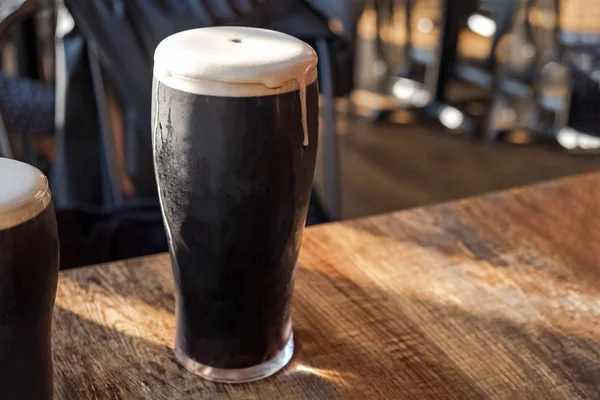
(422, 101)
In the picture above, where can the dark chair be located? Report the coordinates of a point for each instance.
(27, 113)
(18, 94)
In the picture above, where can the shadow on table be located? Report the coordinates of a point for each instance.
(519, 231)
(94, 361)
(440, 228)
(377, 346)
(502, 227)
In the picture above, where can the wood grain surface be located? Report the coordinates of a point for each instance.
(493, 297)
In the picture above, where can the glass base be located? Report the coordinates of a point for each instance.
(241, 375)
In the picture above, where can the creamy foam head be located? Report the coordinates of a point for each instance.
(234, 62)
(24, 192)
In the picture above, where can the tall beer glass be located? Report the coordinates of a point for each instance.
(235, 120)
(28, 279)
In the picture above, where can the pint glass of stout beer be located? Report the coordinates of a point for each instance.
(235, 139)
(28, 279)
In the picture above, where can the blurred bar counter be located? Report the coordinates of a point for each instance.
(387, 167)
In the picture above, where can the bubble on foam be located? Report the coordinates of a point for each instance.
(237, 62)
(24, 192)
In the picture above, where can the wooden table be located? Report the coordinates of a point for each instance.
(491, 297)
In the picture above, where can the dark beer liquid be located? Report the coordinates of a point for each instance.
(235, 182)
(28, 279)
